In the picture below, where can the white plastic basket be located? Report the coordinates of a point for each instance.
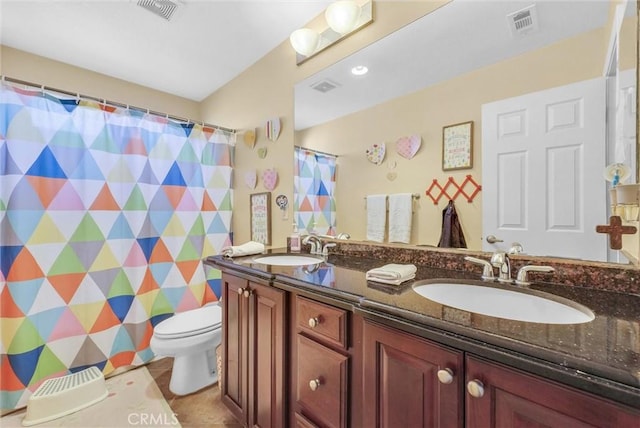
(61, 396)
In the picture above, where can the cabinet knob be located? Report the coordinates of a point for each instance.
(445, 376)
(475, 388)
(246, 293)
(240, 291)
(314, 322)
(314, 384)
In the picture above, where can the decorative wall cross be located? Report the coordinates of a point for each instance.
(615, 230)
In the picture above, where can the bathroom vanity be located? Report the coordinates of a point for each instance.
(318, 345)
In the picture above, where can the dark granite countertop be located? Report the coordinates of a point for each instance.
(601, 356)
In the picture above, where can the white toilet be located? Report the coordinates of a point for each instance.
(191, 338)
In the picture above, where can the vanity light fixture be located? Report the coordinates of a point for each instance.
(343, 17)
(359, 70)
(305, 41)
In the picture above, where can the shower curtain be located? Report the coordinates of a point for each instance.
(105, 216)
(314, 187)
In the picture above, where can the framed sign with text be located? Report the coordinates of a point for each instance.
(260, 217)
(457, 146)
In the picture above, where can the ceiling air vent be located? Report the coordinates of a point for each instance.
(523, 21)
(163, 8)
(325, 85)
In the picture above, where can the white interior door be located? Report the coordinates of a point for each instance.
(543, 155)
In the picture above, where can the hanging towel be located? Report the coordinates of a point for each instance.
(376, 217)
(249, 248)
(400, 214)
(392, 273)
(452, 236)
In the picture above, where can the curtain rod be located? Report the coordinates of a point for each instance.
(316, 151)
(112, 103)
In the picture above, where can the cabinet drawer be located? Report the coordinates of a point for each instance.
(321, 321)
(321, 388)
(302, 422)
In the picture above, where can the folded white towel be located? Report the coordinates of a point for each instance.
(376, 217)
(251, 247)
(400, 215)
(391, 281)
(392, 273)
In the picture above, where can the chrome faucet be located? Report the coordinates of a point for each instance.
(521, 278)
(501, 261)
(315, 242)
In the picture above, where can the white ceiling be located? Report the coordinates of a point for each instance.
(206, 44)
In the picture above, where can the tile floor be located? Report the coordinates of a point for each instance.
(200, 409)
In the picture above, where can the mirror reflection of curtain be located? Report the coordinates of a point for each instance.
(314, 188)
(105, 216)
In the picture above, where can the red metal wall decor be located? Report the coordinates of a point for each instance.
(435, 196)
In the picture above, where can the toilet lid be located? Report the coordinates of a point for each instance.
(189, 323)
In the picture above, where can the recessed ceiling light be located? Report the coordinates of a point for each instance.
(359, 70)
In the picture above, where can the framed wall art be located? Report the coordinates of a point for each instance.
(260, 206)
(457, 146)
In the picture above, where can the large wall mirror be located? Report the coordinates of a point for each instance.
(444, 69)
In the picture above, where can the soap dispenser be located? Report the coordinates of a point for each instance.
(294, 240)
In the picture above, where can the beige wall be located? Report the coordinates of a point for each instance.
(266, 90)
(43, 71)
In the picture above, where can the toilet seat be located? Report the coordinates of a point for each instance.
(190, 323)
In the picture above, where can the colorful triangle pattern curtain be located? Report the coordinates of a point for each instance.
(105, 216)
(314, 187)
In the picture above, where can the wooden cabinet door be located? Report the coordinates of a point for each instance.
(401, 386)
(234, 346)
(511, 398)
(266, 362)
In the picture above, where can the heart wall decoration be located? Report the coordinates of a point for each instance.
(272, 129)
(249, 138)
(407, 147)
(251, 179)
(375, 153)
(270, 179)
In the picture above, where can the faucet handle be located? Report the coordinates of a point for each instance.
(325, 249)
(487, 271)
(498, 259)
(522, 279)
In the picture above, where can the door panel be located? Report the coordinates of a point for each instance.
(235, 333)
(401, 387)
(542, 157)
(267, 351)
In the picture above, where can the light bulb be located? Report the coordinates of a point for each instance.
(342, 16)
(305, 41)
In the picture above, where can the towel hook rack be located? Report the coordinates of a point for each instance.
(436, 191)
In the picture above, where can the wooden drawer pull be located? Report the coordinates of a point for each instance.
(314, 322)
(314, 384)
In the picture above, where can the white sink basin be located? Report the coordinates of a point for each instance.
(507, 304)
(288, 259)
